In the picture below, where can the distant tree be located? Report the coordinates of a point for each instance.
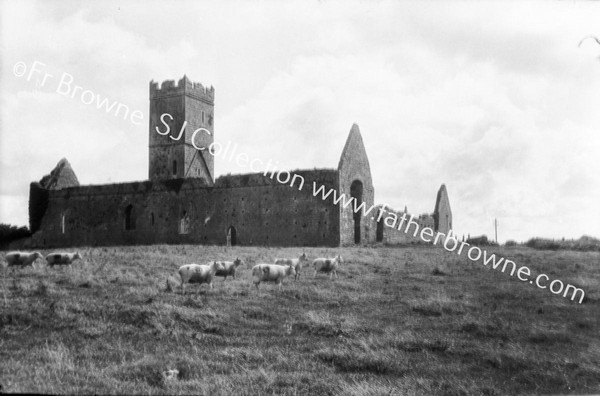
(10, 233)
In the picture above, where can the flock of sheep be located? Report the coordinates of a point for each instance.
(199, 273)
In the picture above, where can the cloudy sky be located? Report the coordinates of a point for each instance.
(496, 100)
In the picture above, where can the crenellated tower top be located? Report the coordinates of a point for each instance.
(184, 86)
(177, 111)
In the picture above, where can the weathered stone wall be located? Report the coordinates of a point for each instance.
(439, 221)
(393, 235)
(354, 166)
(184, 101)
(263, 212)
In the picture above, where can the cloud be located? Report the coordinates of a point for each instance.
(494, 100)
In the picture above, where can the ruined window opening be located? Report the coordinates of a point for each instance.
(184, 223)
(129, 218)
(174, 167)
(231, 236)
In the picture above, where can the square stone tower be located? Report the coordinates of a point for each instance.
(172, 155)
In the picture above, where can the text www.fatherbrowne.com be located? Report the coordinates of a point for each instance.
(451, 244)
(427, 234)
(392, 220)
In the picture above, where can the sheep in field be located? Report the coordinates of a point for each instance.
(22, 259)
(228, 268)
(327, 265)
(62, 258)
(271, 273)
(296, 262)
(198, 273)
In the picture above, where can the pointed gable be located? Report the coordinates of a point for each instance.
(353, 149)
(354, 167)
(61, 176)
(442, 213)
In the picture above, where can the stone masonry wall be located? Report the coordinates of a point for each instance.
(263, 212)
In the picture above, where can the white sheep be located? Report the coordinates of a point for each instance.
(296, 262)
(271, 273)
(22, 259)
(198, 273)
(327, 265)
(228, 268)
(62, 258)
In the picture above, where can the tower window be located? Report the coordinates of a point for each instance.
(203, 117)
(151, 218)
(174, 168)
(62, 224)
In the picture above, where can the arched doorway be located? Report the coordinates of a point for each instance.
(356, 191)
(231, 236)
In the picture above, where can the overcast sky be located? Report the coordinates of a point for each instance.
(494, 99)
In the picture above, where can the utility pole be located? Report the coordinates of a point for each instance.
(496, 228)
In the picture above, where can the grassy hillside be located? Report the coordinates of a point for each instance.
(397, 321)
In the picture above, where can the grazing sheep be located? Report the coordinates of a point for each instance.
(296, 262)
(327, 265)
(62, 258)
(22, 259)
(271, 273)
(198, 273)
(228, 268)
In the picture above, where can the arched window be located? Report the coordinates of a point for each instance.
(129, 218)
(232, 236)
(184, 223)
(174, 168)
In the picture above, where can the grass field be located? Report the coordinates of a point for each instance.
(397, 321)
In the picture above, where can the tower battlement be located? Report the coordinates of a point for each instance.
(183, 87)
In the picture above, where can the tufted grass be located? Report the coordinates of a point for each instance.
(397, 321)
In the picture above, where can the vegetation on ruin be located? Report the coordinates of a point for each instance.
(415, 320)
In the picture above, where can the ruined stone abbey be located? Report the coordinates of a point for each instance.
(182, 202)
